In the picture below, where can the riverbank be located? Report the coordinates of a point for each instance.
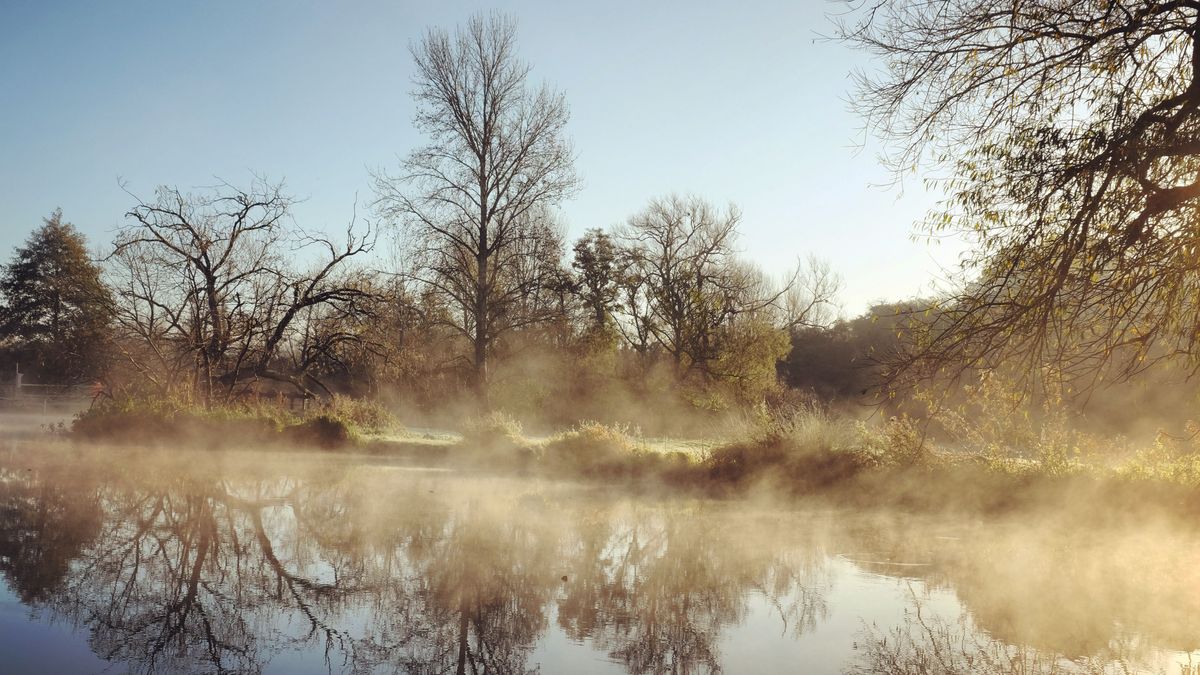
(809, 454)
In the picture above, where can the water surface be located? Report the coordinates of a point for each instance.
(293, 563)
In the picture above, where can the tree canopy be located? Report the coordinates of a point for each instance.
(56, 309)
(1068, 134)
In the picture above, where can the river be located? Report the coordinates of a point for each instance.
(130, 561)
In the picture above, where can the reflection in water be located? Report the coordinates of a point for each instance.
(925, 645)
(219, 563)
(43, 526)
(655, 590)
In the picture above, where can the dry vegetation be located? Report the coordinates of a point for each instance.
(991, 458)
(336, 423)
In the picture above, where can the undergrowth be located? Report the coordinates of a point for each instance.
(990, 458)
(338, 422)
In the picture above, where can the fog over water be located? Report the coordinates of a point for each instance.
(134, 561)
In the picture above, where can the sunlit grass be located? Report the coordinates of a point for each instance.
(807, 451)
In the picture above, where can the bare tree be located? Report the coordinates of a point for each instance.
(686, 291)
(205, 287)
(811, 292)
(475, 199)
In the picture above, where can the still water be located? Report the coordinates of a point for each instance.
(244, 562)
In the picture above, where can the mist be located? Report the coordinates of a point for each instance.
(464, 427)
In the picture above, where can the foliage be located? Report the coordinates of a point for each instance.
(56, 311)
(805, 450)
(323, 431)
(843, 361)
(494, 430)
(597, 277)
(1168, 460)
(159, 419)
(362, 415)
(898, 442)
(1068, 136)
(338, 423)
(589, 447)
(997, 423)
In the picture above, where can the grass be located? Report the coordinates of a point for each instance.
(337, 423)
(809, 452)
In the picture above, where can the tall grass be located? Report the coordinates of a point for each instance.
(337, 422)
(989, 458)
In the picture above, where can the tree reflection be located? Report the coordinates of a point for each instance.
(935, 645)
(484, 588)
(1053, 586)
(44, 523)
(178, 568)
(171, 566)
(187, 577)
(655, 591)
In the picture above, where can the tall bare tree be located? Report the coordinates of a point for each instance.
(474, 200)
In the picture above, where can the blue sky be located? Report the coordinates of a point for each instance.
(737, 102)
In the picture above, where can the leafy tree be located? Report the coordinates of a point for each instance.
(54, 321)
(843, 361)
(1070, 135)
(597, 276)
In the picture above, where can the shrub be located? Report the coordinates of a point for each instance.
(322, 431)
(591, 446)
(897, 442)
(364, 415)
(123, 419)
(493, 431)
(805, 449)
(235, 422)
(148, 420)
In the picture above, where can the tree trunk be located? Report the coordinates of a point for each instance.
(482, 308)
(481, 337)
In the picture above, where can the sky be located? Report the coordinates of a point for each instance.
(739, 102)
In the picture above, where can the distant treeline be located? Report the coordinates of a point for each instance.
(215, 296)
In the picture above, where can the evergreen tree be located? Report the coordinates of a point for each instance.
(598, 271)
(54, 314)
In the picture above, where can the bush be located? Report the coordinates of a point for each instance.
(805, 449)
(899, 442)
(591, 446)
(364, 415)
(250, 421)
(322, 431)
(110, 419)
(149, 420)
(493, 431)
